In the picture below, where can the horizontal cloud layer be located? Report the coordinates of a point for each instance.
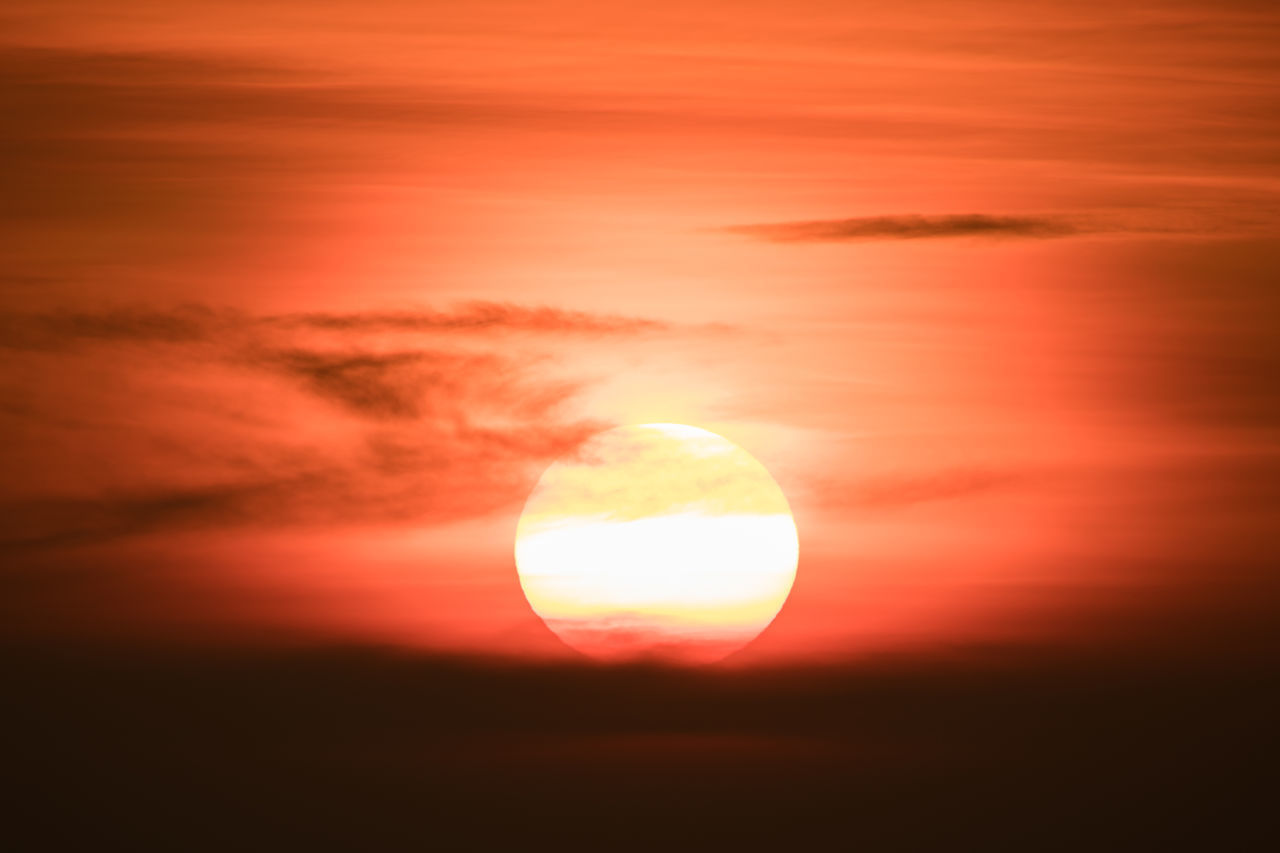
(133, 420)
(191, 323)
(912, 227)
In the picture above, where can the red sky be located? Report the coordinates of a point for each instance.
(299, 299)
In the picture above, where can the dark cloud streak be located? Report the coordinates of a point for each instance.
(417, 428)
(200, 323)
(476, 316)
(35, 524)
(913, 227)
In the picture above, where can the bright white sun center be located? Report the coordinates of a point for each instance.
(657, 540)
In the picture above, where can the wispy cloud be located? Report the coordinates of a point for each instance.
(477, 316)
(911, 227)
(379, 385)
(54, 330)
(69, 521)
(411, 384)
(67, 328)
(301, 418)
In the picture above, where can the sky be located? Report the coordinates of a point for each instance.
(299, 300)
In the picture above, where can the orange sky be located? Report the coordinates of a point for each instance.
(300, 299)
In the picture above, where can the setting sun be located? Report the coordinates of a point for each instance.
(657, 540)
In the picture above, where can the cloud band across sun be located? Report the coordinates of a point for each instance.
(657, 540)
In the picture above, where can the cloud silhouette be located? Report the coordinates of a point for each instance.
(476, 316)
(407, 384)
(377, 385)
(299, 418)
(68, 521)
(194, 323)
(54, 330)
(912, 227)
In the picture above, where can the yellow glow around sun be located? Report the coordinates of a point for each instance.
(659, 540)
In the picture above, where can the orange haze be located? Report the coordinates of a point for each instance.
(301, 299)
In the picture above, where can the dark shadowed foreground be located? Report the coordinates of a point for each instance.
(365, 749)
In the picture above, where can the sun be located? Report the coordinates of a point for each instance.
(657, 541)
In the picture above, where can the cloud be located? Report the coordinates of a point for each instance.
(913, 227)
(132, 421)
(425, 470)
(54, 330)
(142, 160)
(408, 384)
(68, 521)
(427, 473)
(375, 385)
(476, 316)
(81, 144)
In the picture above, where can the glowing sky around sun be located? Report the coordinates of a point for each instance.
(657, 539)
(300, 300)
